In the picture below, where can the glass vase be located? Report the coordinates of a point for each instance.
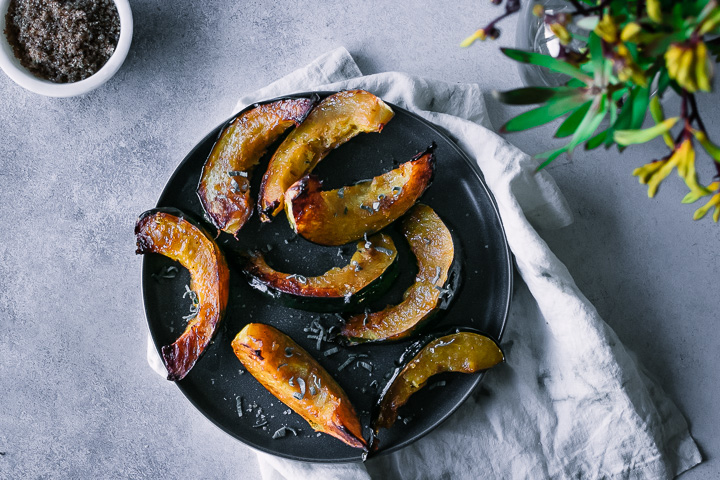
(532, 34)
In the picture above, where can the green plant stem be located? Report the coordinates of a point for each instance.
(686, 132)
(639, 9)
(511, 7)
(695, 115)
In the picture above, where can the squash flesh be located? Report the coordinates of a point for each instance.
(431, 242)
(241, 145)
(334, 121)
(368, 263)
(336, 217)
(463, 352)
(263, 351)
(177, 238)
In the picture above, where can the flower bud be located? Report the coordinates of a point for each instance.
(630, 31)
(654, 10)
(478, 35)
(561, 33)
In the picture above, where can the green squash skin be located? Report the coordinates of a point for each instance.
(407, 356)
(333, 304)
(453, 284)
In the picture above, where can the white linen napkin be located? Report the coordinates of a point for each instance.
(570, 402)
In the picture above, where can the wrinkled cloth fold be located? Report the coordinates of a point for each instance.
(570, 402)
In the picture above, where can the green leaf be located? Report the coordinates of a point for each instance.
(632, 48)
(543, 114)
(607, 72)
(596, 141)
(593, 119)
(618, 94)
(623, 120)
(711, 24)
(656, 111)
(549, 156)
(548, 62)
(677, 16)
(656, 44)
(531, 95)
(571, 123)
(613, 111)
(712, 149)
(596, 57)
(633, 137)
(639, 107)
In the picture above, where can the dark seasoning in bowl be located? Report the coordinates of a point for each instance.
(62, 41)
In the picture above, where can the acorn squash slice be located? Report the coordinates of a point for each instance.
(371, 271)
(169, 232)
(336, 217)
(432, 243)
(334, 121)
(287, 371)
(463, 350)
(224, 188)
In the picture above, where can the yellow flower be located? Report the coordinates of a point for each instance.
(478, 35)
(714, 202)
(672, 59)
(690, 66)
(655, 172)
(703, 67)
(686, 73)
(607, 29)
(686, 166)
(654, 10)
(561, 33)
(630, 31)
(656, 111)
(627, 68)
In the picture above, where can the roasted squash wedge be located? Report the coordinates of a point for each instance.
(298, 380)
(336, 217)
(334, 121)
(371, 271)
(169, 232)
(432, 243)
(463, 350)
(224, 188)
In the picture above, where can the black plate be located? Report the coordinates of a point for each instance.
(458, 194)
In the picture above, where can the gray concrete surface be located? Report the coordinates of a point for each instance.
(77, 399)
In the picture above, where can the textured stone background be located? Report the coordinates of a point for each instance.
(77, 399)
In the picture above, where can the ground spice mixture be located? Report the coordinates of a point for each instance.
(62, 40)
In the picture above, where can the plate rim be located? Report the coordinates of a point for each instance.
(145, 275)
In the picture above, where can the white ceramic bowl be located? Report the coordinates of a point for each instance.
(20, 75)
